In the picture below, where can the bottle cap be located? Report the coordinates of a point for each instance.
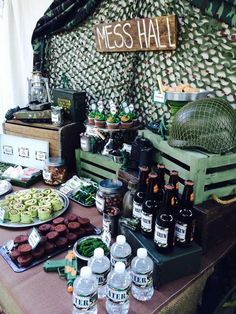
(85, 272)
(120, 239)
(119, 267)
(98, 252)
(142, 253)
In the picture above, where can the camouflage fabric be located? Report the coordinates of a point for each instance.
(224, 10)
(61, 16)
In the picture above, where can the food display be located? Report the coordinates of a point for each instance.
(181, 88)
(32, 207)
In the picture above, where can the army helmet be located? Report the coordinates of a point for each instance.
(208, 124)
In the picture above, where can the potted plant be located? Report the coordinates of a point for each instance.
(91, 117)
(113, 122)
(100, 120)
(126, 121)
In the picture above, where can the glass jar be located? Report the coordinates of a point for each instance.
(109, 194)
(54, 171)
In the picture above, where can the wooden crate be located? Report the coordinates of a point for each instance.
(62, 140)
(96, 166)
(212, 173)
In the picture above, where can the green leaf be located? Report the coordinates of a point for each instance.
(220, 10)
(210, 9)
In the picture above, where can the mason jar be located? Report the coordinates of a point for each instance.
(54, 172)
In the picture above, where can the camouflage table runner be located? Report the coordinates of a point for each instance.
(224, 10)
(62, 15)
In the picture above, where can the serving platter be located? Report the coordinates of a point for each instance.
(184, 96)
(5, 187)
(36, 221)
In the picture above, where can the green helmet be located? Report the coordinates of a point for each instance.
(207, 124)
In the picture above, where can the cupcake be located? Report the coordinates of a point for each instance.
(113, 122)
(100, 120)
(126, 122)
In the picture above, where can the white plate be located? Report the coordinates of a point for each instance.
(5, 187)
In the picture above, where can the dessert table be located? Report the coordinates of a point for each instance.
(35, 291)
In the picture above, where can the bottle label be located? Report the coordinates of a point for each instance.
(118, 295)
(106, 225)
(83, 143)
(180, 231)
(161, 236)
(100, 203)
(137, 210)
(102, 277)
(142, 280)
(126, 260)
(146, 222)
(87, 302)
(55, 118)
(47, 175)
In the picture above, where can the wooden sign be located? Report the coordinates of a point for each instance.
(157, 33)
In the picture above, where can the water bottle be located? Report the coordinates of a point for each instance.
(85, 290)
(121, 251)
(118, 288)
(100, 266)
(141, 274)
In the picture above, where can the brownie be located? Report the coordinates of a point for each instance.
(61, 229)
(58, 221)
(20, 239)
(72, 217)
(83, 221)
(89, 230)
(73, 226)
(14, 254)
(49, 247)
(61, 242)
(38, 252)
(44, 229)
(24, 248)
(80, 233)
(72, 237)
(52, 235)
(25, 260)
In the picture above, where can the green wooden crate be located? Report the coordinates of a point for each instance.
(212, 173)
(96, 166)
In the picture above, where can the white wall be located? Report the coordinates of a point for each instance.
(16, 54)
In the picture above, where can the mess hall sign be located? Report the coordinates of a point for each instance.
(157, 33)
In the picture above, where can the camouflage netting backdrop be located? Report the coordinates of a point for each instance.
(205, 57)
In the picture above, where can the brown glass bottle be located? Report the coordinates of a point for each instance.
(139, 195)
(174, 180)
(160, 183)
(165, 223)
(185, 220)
(149, 207)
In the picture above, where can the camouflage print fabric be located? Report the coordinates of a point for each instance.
(61, 16)
(223, 10)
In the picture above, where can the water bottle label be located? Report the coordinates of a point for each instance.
(87, 302)
(102, 277)
(106, 225)
(100, 203)
(137, 210)
(126, 260)
(118, 295)
(161, 236)
(180, 231)
(142, 280)
(146, 222)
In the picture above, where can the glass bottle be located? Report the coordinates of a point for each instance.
(129, 198)
(160, 183)
(149, 207)
(165, 223)
(185, 220)
(174, 180)
(139, 195)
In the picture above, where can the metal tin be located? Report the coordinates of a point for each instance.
(110, 186)
(182, 96)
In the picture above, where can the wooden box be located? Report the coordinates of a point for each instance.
(62, 140)
(96, 166)
(211, 173)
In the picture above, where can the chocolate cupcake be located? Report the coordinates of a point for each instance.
(20, 239)
(44, 229)
(49, 247)
(24, 248)
(25, 260)
(58, 221)
(83, 221)
(14, 254)
(80, 233)
(61, 229)
(72, 237)
(61, 242)
(73, 226)
(89, 230)
(72, 217)
(38, 252)
(52, 236)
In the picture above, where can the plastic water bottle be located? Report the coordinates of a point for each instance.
(100, 266)
(121, 251)
(141, 274)
(85, 289)
(118, 288)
